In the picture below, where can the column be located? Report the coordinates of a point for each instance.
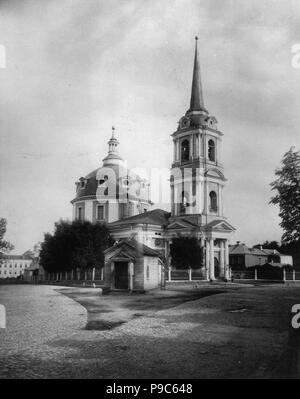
(93, 275)
(202, 252)
(207, 259)
(177, 150)
(222, 259)
(167, 252)
(227, 272)
(174, 151)
(112, 275)
(211, 260)
(131, 273)
(167, 257)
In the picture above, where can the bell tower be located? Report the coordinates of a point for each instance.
(197, 178)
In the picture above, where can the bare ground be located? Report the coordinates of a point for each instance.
(201, 333)
(208, 332)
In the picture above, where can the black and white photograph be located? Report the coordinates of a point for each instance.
(149, 192)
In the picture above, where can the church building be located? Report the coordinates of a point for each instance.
(114, 195)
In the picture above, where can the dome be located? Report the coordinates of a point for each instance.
(127, 185)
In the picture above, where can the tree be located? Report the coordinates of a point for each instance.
(287, 186)
(268, 245)
(186, 253)
(5, 246)
(75, 245)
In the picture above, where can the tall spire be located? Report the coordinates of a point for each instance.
(197, 103)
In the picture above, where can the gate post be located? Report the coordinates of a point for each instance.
(169, 274)
(190, 274)
(255, 274)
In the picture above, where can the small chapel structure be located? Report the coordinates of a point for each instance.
(113, 195)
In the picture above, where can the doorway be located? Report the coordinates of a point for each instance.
(121, 275)
(217, 267)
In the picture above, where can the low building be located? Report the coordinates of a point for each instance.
(130, 265)
(35, 272)
(13, 266)
(276, 257)
(242, 257)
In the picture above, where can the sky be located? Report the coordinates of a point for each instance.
(74, 68)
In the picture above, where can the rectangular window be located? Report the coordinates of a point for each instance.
(148, 272)
(79, 215)
(124, 210)
(100, 212)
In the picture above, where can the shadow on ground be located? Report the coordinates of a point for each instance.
(108, 312)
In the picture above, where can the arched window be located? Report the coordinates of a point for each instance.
(184, 202)
(211, 150)
(213, 201)
(185, 150)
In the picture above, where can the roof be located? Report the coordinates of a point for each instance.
(239, 249)
(183, 222)
(32, 267)
(271, 251)
(156, 216)
(117, 173)
(219, 224)
(194, 222)
(257, 251)
(15, 257)
(196, 103)
(130, 248)
(242, 249)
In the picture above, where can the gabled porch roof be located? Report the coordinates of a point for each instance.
(131, 249)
